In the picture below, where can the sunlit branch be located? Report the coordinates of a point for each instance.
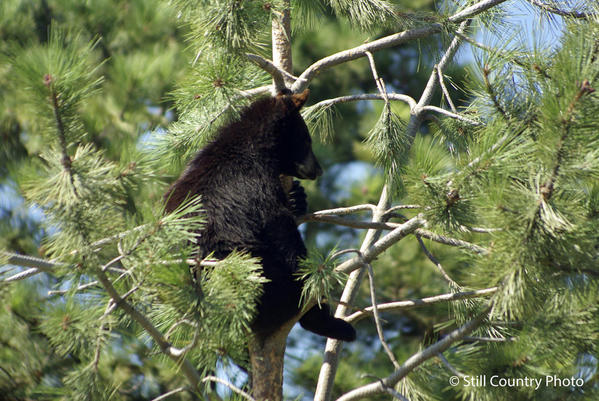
(444, 90)
(167, 395)
(326, 376)
(377, 319)
(489, 339)
(386, 42)
(414, 303)
(391, 226)
(436, 262)
(366, 96)
(442, 239)
(377, 80)
(382, 244)
(560, 12)
(450, 114)
(415, 361)
(278, 74)
(230, 386)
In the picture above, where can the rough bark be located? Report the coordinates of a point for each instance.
(266, 359)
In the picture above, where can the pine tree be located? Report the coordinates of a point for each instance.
(504, 187)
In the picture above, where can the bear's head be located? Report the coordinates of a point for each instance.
(293, 140)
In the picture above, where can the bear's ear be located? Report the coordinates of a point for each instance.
(291, 102)
(299, 99)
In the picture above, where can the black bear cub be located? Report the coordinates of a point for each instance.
(238, 178)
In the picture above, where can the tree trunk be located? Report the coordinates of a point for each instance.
(266, 359)
(281, 57)
(281, 42)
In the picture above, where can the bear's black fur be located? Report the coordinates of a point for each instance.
(238, 178)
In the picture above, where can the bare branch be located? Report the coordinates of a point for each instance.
(436, 262)
(444, 90)
(450, 114)
(386, 42)
(557, 11)
(413, 303)
(473, 10)
(388, 389)
(278, 74)
(449, 366)
(333, 348)
(360, 51)
(451, 241)
(349, 223)
(281, 45)
(401, 207)
(415, 361)
(431, 85)
(172, 392)
(261, 90)
(489, 339)
(481, 230)
(36, 266)
(367, 96)
(230, 386)
(80, 288)
(391, 226)
(344, 210)
(378, 81)
(377, 320)
(382, 244)
(23, 275)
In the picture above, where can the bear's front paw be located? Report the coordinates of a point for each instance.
(298, 203)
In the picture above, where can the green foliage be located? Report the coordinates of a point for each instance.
(320, 119)
(84, 136)
(207, 98)
(73, 327)
(318, 273)
(390, 145)
(365, 14)
(55, 79)
(230, 24)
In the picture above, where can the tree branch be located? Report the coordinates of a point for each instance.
(277, 73)
(444, 90)
(30, 261)
(187, 368)
(415, 361)
(386, 42)
(450, 114)
(382, 244)
(557, 11)
(431, 257)
(328, 370)
(166, 395)
(414, 303)
(391, 226)
(366, 96)
(371, 247)
(377, 320)
(230, 386)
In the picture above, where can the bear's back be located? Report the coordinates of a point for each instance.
(241, 193)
